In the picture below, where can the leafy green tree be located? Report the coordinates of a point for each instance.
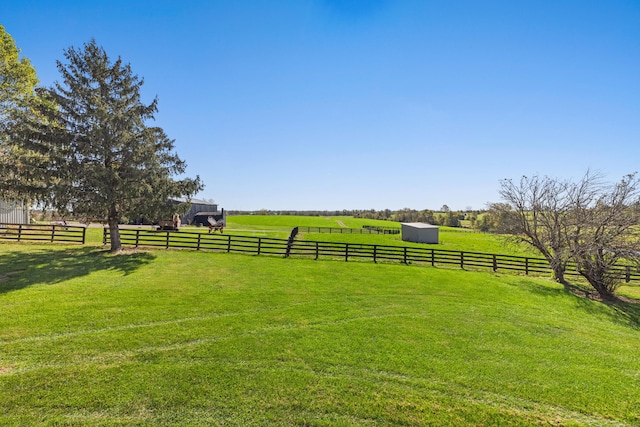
(426, 216)
(451, 220)
(90, 150)
(17, 83)
(499, 218)
(17, 76)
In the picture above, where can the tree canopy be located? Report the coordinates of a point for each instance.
(89, 149)
(17, 88)
(17, 76)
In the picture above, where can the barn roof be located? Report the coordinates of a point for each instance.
(195, 201)
(209, 213)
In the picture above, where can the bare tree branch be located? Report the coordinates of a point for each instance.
(588, 222)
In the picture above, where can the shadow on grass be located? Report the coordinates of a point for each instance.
(21, 269)
(624, 311)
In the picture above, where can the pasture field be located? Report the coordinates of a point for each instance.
(280, 226)
(290, 221)
(449, 239)
(194, 338)
(457, 239)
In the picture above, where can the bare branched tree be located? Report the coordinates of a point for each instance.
(540, 207)
(602, 232)
(588, 222)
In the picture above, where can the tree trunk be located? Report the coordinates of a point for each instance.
(558, 273)
(557, 265)
(605, 291)
(114, 232)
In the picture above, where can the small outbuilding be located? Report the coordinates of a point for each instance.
(14, 212)
(419, 232)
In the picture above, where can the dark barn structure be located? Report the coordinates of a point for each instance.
(202, 218)
(200, 208)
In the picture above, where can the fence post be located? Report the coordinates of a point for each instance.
(104, 236)
(198, 246)
(346, 252)
(53, 232)
(259, 244)
(137, 237)
(495, 263)
(461, 260)
(375, 250)
(404, 255)
(84, 233)
(228, 243)
(317, 250)
(526, 266)
(433, 258)
(628, 274)
(167, 240)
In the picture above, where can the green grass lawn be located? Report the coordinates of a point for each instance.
(193, 338)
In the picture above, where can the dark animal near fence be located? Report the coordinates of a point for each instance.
(291, 240)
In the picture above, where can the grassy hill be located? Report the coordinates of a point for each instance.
(192, 338)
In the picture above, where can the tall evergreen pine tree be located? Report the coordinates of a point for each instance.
(93, 149)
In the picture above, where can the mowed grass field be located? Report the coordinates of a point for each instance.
(194, 338)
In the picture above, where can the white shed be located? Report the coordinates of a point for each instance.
(14, 212)
(419, 232)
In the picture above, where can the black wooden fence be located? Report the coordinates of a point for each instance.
(347, 251)
(344, 230)
(42, 233)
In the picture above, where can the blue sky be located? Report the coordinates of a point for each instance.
(327, 104)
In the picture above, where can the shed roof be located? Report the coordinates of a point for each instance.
(419, 225)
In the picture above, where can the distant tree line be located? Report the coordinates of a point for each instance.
(343, 212)
(445, 216)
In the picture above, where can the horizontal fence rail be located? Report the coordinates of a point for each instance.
(344, 230)
(43, 233)
(348, 251)
(200, 241)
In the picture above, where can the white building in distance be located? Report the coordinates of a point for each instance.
(419, 232)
